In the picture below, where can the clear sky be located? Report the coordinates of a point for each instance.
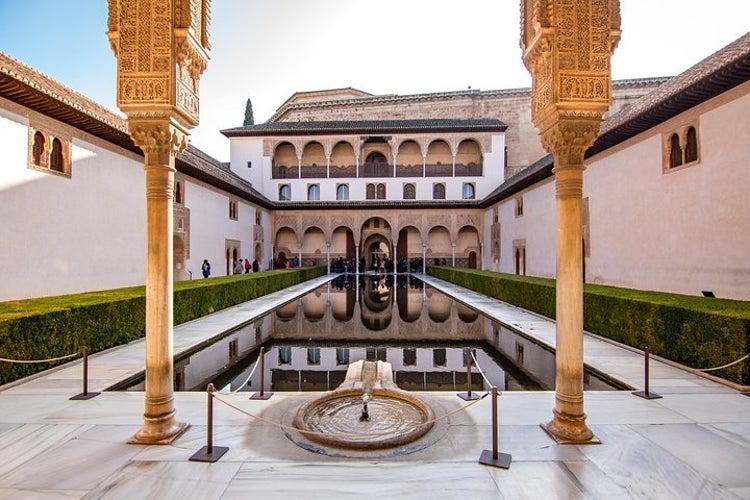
(266, 50)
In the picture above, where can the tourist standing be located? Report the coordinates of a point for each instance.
(206, 268)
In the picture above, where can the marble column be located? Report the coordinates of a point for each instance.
(161, 50)
(567, 47)
(160, 143)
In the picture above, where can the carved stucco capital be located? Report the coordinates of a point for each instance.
(160, 140)
(569, 138)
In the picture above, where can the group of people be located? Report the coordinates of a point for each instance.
(244, 266)
(240, 266)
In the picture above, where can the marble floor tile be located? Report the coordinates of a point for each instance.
(73, 464)
(350, 480)
(23, 444)
(644, 468)
(168, 480)
(42, 494)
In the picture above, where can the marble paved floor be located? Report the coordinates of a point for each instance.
(692, 443)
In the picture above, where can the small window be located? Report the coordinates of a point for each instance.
(438, 191)
(370, 192)
(342, 356)
(56, 157)
(691, 145)
(285, 355)
(380, 191)
(410, 357)
(313, 192)
(519, 206)
(285, 192)
(342, 192)
(675, 151)
(234, 350)
(313, 355)
(257, 218)
(468, 191)
(233, 209)
(178, 193)
(48, 153)
(495, 215)
(439, 357)
(249, 164)
(410, 192)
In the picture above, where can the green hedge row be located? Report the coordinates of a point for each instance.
(695, 331)
(50, 327)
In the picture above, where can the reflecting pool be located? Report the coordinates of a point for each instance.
(425, 335)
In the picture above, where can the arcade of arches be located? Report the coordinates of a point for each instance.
(394, 239)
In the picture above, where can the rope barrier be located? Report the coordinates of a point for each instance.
(743, 358)
(352, 435)
(248, 377)
(32, 361)
(481, 372)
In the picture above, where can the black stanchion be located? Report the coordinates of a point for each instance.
(261, 394)
(468, 396)
(209, 453)
(645, 394)
(493, 457)
(85, 394)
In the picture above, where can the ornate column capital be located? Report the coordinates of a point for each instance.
(567, 46)
(161, 49)
(159, 138)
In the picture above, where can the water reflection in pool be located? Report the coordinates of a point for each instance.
(422, 332)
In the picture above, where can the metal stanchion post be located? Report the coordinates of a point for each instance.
(85, 394)
(493, 457)
(262, 394)
(645, 394)
(468, 396)
(209, 453)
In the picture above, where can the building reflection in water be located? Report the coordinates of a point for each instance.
(422, 332)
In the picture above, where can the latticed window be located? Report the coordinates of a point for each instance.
(370, 192)
(410, 192)
(438, 191)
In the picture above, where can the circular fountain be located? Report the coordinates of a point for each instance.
(366, 412)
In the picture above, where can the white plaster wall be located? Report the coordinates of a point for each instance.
(210, 227)
(683, 231)
(69, 234)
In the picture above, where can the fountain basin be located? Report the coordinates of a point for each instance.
(366, 412)
(396, 418)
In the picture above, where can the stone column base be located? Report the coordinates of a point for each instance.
(165, 436)
(569, 429)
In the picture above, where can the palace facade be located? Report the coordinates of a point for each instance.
(453, 178)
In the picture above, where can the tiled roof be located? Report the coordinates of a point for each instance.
(718, 73)
(714, 75)
(367, 127)
(29, 88)
(395, 99)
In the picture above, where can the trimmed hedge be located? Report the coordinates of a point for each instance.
(50, 327)
(695, 331)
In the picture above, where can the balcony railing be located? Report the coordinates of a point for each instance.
(377, 170)
(468, 170)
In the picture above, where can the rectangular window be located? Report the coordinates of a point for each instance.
(439, 357)
(233, 210)
(519, 206)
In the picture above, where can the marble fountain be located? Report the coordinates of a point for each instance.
(366, 412)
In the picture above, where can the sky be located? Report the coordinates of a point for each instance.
(265, 50)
